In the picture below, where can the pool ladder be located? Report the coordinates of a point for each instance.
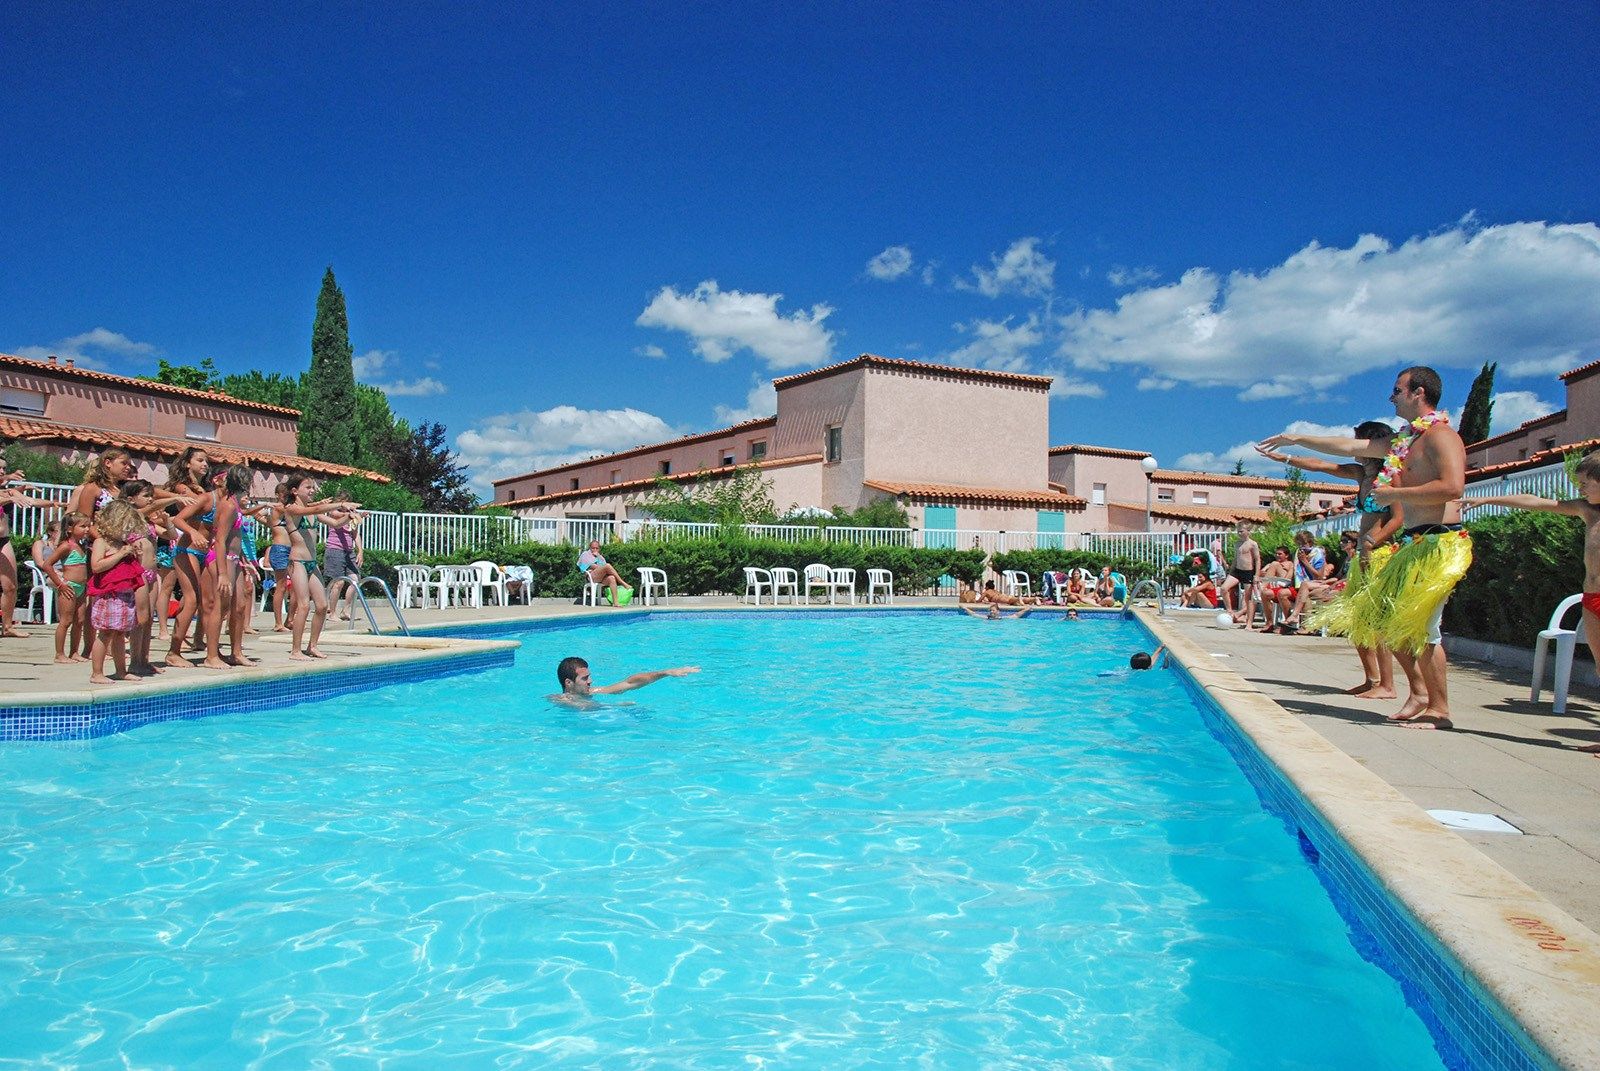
(366, 607)
(1155, 589)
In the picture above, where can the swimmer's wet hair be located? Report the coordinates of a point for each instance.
(1139, 661)
(568, 670)
(1589, 466)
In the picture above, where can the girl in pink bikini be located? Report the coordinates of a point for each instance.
(141, 496)
(114, 584)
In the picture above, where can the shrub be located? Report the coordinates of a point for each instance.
(1523, 564)
(1034, 562)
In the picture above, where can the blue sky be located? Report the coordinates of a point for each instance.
(565, 231)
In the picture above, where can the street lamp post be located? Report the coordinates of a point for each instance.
(1149, 465)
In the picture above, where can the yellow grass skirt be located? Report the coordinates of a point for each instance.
(1340, 616)
(1395, 603)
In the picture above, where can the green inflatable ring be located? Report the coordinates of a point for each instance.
(624, 596)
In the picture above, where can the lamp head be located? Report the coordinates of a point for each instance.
(1149, 465)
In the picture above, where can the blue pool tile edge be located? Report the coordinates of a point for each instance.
(1470, 1026)
(108, 716)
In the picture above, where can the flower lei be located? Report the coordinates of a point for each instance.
(1400, 445)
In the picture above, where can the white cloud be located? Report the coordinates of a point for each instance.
(1514, 407)
(762, 401)
(1223, 460)
(509, 444)
(1072, 387)
(1022, 268)
(927, 273)
(890, 264)
(1156, 383)
(723, 322)
(1541, 367)
(1120, 277)
(653, 352)
(372, 364)
(996, 344)
(1525, 293)
(90, 349)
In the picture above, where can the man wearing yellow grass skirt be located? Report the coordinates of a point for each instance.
(1400, 603)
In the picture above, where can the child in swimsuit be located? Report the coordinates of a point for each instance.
(71, 582)
(117, 578)
(141, 496)
(186, 483)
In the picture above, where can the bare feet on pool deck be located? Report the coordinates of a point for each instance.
(280, 628)
(240, 660)
(65, 660)
(1376, 692)
(14, 634)
(129, 676)
(1413, 707)
(1429, 720)
(100, 679)
(299, 656)
(214, 663)
(315, 653)
(179, 662)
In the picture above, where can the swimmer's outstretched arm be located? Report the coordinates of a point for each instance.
(639, 680)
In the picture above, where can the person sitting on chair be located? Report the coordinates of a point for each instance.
(593, 564)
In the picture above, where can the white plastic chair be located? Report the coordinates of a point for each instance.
(845, 580)
(591, 593)
(1016, 582)
(651, 582)
(418, 581)
(821, 576)
(1566, 641)
(880, 584)
(44, 593)
(756, 579)
(784, 579)
(491, 578)
(523, 575)
(460, 585)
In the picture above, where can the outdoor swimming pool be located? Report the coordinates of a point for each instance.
(853, 841)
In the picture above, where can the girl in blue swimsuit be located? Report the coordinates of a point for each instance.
(186, 482)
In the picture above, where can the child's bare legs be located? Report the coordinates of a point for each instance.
(244, 601)
(169, 580)
(139, 642)
(1377, 665)
(8, 592)
(189, 596)
(213, 607)
(280, 588)
(66, 627)
(116, 643)
(307, 592)
(1591, 636)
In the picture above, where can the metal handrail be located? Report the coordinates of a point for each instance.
(1161, 601)
(366, 607)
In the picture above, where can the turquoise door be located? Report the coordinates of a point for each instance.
(938, 526)
(1052, 529)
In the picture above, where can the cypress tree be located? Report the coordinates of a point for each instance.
(328, 418)
(1474, 424)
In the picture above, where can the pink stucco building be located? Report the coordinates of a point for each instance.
(1543, 440)
(959, 448)
(70, 412)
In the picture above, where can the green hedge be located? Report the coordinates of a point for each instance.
(1034, 562)
(709, 566)
(1523, 565)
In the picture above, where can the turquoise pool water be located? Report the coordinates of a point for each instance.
(890, 841)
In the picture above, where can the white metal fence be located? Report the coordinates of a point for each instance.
(1549, 481)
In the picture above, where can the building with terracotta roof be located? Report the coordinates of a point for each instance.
(1547, 435)
(959, 448)
(73, 413)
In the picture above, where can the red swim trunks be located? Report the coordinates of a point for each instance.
(1591, 602)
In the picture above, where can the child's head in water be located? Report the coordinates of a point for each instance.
(1140, 660)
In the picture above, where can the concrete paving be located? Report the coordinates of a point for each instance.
(1506, 756)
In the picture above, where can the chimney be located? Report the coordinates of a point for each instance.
(69, 362)
(52, 358)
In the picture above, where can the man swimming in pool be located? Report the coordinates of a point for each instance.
(577, 686)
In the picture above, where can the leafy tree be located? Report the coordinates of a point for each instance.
(422, 463)
(328, 419)
(1238, 468)
(1476, 414)
(744, 497)
(41, 467)
(268, 388)
(387, 497)
(1288, 507)
(377, 429)
(195, 377)
(879, 513)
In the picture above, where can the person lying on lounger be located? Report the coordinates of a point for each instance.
(577, 686)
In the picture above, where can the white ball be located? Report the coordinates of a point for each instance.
(1225, 620)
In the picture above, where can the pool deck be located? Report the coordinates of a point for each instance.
(1526, 927)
